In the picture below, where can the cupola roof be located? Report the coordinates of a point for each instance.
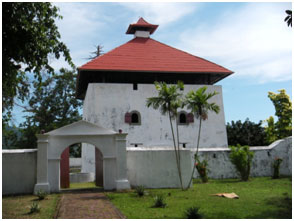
(141, 25)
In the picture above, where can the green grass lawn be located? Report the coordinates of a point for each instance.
(261, 198)
(18, 207)
(83, 185)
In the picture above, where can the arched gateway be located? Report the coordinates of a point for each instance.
(111, 144)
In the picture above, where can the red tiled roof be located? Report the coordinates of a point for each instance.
(141, 23)
(148, 55)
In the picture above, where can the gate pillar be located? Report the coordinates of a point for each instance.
(121, 162)
(42, 164)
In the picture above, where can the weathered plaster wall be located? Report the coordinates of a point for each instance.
(219, 164)
(19, 172)
(106, 104)
(155, 167)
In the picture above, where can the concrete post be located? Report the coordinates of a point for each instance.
(121, 162)
(42, 164)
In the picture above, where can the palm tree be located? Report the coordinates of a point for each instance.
(168, 101)
(197, 102)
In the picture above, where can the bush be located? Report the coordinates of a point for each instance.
(201, 167)
(41, 194)
(276, 166)
(193, 213)
(242, 157)
(34, 207)
(159, 202)
(140, 190)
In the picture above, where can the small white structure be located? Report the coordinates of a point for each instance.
(111, 144)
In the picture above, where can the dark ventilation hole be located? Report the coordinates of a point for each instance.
(135, 118)
(268, 153)
(135, 86)
(214, 155)
(183, 118)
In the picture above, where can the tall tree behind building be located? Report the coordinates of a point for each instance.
(51, 106)
(29, 36)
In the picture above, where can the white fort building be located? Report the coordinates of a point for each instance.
(116, 85)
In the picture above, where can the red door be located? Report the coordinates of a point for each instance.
(99, 167)
(64, 169)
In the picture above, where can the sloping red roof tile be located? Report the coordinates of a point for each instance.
(149, 55)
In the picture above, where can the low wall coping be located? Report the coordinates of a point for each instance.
(167, 148)
(19, 151)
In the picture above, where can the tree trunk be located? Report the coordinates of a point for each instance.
(196, 154)
(179, 154)
(175, 147)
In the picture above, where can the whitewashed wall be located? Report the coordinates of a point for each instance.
(152, 167)
(220, 166)
(106, 104)
(75, 162)
(155, 167)
(19, 172)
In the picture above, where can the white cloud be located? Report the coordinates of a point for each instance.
(162, 13)
(253, 41)
(79, 19)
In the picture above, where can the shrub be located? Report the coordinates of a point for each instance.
(201, 167)
(140, 190)
(193, 213)
(276, 166)
(159, 202)
(242, 157)
(41, 194)
(34, 207)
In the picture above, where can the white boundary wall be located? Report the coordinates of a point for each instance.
(75, 162)
(19, 171)
(155, 167)
(152, 167)
(219, 164)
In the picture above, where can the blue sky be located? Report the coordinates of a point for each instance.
(250, 39)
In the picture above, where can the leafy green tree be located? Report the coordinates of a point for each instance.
(246, 133)
(270, 130)
(288, 19)
(29, 37)
(10, 137)
(283, 106)
(168, 101)
(52, 106)
(197, 102)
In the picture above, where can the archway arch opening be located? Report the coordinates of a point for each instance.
(72, 174)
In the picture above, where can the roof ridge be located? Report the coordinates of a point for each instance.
(189, 54)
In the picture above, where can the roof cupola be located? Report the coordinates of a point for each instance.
(141, 29)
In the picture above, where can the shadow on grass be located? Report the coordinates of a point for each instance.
(218, 181)
(283, 208)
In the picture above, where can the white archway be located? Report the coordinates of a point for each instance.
(111, 144)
